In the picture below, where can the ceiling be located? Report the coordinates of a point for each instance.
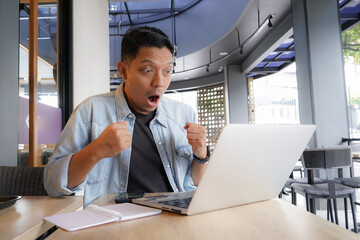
(210, 34)
(236, 37)
(284, 54)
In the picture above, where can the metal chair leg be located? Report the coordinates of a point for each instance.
(352, 200)
(312, 205)
(293, 196)
(346, 213)
(307, 200)
(331, 212)
(335, 212)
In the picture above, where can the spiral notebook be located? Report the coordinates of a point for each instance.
(94, 215)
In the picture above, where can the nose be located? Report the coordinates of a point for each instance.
(158, 80)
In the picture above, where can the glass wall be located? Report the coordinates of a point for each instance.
(49, 115)
(351, 46)
(351, 49)
(275, 98)
(188, 97)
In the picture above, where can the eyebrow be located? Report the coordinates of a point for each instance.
(149, 61)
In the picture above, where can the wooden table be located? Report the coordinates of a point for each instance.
(24, 220)
(272, 219)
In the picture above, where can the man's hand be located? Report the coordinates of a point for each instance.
(113, 140)
(196, 135)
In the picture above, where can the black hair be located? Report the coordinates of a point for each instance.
(144, 36)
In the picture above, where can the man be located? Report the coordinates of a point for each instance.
(131, 139)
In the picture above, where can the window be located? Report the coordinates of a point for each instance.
(188, 97)
(49, 115)
(351, 47)
(273, 99)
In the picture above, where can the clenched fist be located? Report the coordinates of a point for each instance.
(113, 140)
(196, 135)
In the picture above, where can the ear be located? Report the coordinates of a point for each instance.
(122, 69)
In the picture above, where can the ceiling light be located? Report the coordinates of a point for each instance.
(269, 21)
(223, 53)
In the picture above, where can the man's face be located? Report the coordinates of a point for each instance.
(146, 78)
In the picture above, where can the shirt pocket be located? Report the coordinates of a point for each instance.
(99, 124)
(183, 154)
(97, 129)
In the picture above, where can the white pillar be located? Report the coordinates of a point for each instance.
(90, 48)
(236, 95)
(320, 69)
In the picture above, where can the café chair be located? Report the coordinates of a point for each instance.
(302, 180)
(299, 169)
(46, 155)
(23, 181)
(351, 181)
(327, 159)
(292, 180)
(23, 158)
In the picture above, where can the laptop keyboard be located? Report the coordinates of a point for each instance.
(183, 203)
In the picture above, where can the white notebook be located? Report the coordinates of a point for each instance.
(94, 215)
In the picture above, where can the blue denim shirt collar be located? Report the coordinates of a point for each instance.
(122, 108)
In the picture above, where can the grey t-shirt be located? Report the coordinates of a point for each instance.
(147, 173)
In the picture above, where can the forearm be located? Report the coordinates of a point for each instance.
(197, 171)
(81, 164)
(113, 140)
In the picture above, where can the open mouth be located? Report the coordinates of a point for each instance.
(153, 100)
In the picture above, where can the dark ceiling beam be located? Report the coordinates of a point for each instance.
(279, 55)
(348, 24)
(279, 60)
(260, 75)
(265, 70)
(177, 11)
(127, 10)
(292, 49)
(156, 10)
(143, 11)
(269, 43)
(349, 16)
(292, 46)
(345, 4)
(266, 65)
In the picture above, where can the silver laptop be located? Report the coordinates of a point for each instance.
(250, 163)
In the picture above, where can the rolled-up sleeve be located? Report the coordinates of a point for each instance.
(73, 138)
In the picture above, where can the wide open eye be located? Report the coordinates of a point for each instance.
(147, 70)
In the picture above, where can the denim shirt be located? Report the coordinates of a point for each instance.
(110, 175)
